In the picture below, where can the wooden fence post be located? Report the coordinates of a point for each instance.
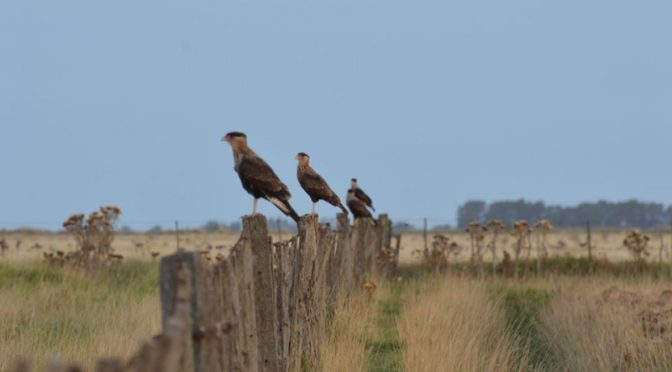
(283, 268)
(243, 268)
(357, 244)
(255, 235)
(347, 255)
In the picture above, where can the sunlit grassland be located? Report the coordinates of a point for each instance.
(50, 312)
(560, 323)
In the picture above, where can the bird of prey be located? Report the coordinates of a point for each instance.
(360, 194)
(358, 207)
(257, 177)
(314, 185)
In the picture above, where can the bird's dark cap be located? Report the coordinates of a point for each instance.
(302, 154)
(354, 180)
(234, 135)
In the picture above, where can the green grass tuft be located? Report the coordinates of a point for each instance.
(385, 351)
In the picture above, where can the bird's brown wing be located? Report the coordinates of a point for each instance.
(358, 208)
(259, 179)
(361, 195)
(317, 187)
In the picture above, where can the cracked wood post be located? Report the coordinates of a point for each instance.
(385, 257)
(171, 351)
(328, 239)
(346, 259)
(225, 285)
(359, 252)
(283, 273)
(177, 281)
(204, 311)
(309, 247)
(255, 235)
(243, 268)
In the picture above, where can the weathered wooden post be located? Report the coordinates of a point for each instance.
(385, 256)
(256, 238)
(302, 297)
(226, 287)
(173, 350)
(347, 255)
(386, 226)
(357, 244)
(180, 276)
(243, 269)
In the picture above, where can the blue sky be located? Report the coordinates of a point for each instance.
(429, 103)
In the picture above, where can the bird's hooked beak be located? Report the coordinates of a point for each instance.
(226, 138)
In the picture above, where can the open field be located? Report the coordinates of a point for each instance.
(49, 312)
(617, 319)
(438, 323)
(606, 244)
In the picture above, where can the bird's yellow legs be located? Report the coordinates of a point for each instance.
(254, 207)
(313, 212)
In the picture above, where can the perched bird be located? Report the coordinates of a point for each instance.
(314, 185)
(357, 207)
(360, 194)
(257, 177)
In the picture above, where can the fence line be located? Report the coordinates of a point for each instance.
(262, 308)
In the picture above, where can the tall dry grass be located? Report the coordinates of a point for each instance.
(344, 347)
(47, 312)
(453, 325)
(609, 325)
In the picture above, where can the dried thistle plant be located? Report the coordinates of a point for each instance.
(476, 238)
(495, 227)
(542, 227)
(93, 236)
(443, 247)
(637, 243)
(521, 232)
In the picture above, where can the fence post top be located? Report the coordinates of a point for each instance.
(342, 219)
(256, 219)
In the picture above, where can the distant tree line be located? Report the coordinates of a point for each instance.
(605, 214)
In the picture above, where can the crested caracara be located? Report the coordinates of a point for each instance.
(314, 185)
(257, 176)
(360, 194)
(357, 207)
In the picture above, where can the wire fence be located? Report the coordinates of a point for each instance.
(275, 223)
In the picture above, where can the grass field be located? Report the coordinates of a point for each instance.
(618, 319)
(606, 244)
(438, 323)
(48, 312)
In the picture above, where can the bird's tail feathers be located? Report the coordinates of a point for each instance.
(286, 208)
(343, 208)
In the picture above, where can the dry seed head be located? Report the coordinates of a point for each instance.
(521, 226)
(544, 224)
(495, 224)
